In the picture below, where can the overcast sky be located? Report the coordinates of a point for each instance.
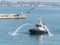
(32, 0)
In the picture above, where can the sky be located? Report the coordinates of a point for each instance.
(32, 0)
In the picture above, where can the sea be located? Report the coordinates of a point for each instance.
(16, 31)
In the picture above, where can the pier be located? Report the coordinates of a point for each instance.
(12, 16)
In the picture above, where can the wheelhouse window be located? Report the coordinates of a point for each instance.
(38, 25)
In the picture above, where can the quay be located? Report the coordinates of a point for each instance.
(12, 16)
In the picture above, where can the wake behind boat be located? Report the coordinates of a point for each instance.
(40, 28)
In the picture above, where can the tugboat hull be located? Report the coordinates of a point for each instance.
(33, 31)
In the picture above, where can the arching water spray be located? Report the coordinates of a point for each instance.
(49, 33)
(15, 32)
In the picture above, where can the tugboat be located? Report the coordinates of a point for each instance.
(40, 28)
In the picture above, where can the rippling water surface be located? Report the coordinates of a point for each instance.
(50, 16)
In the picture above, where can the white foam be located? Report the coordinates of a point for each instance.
(49, 33)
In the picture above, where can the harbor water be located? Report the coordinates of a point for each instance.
(49, 16)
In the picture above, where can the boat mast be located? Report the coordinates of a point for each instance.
(40, 22)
